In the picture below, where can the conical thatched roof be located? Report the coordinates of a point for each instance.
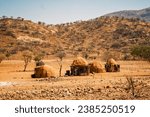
(50, 71)
(79, 62)
(111, 61)
(96, 67)
(44, 71)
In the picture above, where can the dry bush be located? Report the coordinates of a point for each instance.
(131, 85)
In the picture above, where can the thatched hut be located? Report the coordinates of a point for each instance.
(112, 66)
(79, 67)
(43, 72)
(79, 61)
(96, 67)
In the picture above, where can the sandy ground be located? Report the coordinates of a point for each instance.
(18, 85)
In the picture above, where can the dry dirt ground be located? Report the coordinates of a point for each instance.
(18, 85)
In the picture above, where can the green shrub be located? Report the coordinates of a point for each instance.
(141, 52)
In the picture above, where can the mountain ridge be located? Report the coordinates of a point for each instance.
(142, 14)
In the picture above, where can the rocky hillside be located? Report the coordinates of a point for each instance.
(17, 35)
(103, 34)
(93, 37)
(143, 14)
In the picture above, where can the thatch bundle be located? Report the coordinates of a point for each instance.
(111, 61)
(96, 67)
(43, 72)
(79, 62)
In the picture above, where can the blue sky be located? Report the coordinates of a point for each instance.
(61, 11)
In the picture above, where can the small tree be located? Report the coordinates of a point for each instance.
(27, 57)
(8, 54)
(75, 53)
(39, 57)
(4, 17)
(2, 57)
(60, 55)
(85, 55)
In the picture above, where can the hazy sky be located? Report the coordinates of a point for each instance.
(59, 11)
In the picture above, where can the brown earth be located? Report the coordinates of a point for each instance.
(16, 84)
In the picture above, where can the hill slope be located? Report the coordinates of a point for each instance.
(105, 33)
(143, 14)
(17, 35)
(92, 37)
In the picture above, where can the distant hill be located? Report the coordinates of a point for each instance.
(143, 14)
(94, 37)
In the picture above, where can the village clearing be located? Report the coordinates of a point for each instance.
(18, 85)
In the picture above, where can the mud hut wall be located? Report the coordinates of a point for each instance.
(79, 70)
(112, 68)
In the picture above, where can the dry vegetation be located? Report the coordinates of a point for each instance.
(90, 38)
